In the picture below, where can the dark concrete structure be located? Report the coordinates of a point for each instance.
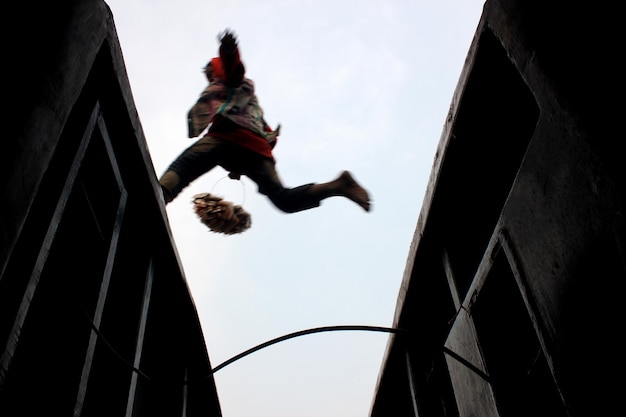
(95, 314)
(512, 295)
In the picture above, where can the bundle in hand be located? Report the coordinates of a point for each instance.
(221, 216)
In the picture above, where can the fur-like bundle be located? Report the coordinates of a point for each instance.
(221, 216)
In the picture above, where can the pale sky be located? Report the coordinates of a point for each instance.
(358, 85)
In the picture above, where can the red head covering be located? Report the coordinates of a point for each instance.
(218, 68)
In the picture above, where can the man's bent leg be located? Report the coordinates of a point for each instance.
(169, 181)
(196, 160)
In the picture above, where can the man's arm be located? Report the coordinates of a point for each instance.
(229, 53)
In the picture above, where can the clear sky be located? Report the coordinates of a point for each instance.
(358, 85)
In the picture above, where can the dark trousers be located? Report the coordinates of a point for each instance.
(209, 152)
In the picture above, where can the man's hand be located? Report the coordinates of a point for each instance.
(234, 70)
(228, 43)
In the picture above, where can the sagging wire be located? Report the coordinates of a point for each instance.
(279, 339)
(110, 346)
(468, 364)
(302, 333)
(461, 359)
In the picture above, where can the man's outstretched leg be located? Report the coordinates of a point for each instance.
(304, 197)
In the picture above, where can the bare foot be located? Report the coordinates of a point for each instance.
(352, 190)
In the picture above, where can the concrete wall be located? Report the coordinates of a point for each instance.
(95, 314)
(513, 285)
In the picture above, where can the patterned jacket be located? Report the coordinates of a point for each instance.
(238, 104)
